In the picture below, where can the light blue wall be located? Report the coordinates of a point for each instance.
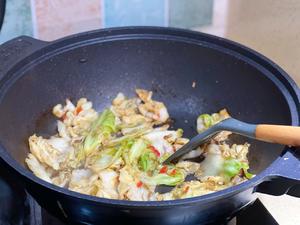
(175, 13)
(17, 20)
(134, 12)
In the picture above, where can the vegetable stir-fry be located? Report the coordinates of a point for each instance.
(118, 153)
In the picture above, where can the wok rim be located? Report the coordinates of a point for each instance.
(294, 97)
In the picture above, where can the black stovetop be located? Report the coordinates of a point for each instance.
(17, 207)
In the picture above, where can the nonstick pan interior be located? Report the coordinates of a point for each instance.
(99, 71)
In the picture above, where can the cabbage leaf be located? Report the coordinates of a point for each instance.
(100, 130)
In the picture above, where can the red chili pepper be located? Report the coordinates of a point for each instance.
(186, 189)
(173, 172)
(78, 110)
(174, 149)
(63, 117)
(139, 184)
(154, 150)
(164, 169)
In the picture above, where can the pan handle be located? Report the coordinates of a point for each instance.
(11, 52)
(284, 176)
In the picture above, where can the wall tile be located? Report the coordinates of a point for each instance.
(190, 13)
(17, 20)
(58, 18)
(53, 19)
(134, 12)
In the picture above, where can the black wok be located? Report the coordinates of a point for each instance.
(37, 75)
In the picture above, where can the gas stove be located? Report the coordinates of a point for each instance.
(18, 207)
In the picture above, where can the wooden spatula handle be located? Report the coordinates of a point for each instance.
(287, 135)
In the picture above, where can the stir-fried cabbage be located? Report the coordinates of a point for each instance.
(205, 121)
(148, 161)
(171, 179)
(233, 167)
(100, 130)
(106, 158)
(118, 153)
(136, 150)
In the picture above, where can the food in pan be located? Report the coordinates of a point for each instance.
(118, 153)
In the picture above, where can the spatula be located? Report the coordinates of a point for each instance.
(286, 135)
